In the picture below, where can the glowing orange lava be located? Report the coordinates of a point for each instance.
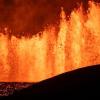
(77, 44)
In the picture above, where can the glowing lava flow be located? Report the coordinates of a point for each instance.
(77, 44)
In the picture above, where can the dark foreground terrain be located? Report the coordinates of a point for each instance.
(83, 81)
(7, 88)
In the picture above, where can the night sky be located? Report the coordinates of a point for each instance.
(33, 15)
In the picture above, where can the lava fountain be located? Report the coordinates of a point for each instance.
(77, 44)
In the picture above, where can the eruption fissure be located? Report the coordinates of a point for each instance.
(77, 44)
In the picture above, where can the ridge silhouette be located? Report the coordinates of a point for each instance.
(81, 81)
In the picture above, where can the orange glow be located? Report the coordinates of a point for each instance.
(77, 44)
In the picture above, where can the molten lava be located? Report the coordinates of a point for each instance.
(76, 44)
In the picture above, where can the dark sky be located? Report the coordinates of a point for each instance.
(33, 15)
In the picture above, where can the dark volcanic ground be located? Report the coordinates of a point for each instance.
(81, 81)
(7, 88)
